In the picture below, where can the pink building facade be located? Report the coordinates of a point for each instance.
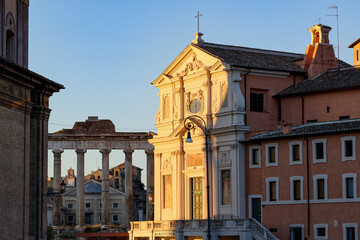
(302, 157)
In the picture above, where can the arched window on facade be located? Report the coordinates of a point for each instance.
(10, 45)
(10, 50)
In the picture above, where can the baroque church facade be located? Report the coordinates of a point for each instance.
(253, 101)
(24, 114)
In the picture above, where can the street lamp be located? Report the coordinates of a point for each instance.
(189, 124)
(57, 200)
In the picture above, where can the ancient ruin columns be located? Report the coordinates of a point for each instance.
(105, 220)
(128, 183)
(57, 187)
(150, 183)
(80, 190)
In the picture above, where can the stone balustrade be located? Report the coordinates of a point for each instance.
(245, 228)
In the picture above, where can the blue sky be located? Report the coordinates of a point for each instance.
(107, 52)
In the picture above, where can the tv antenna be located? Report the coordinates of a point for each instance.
(337, 25)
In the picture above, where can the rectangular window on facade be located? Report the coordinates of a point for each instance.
(295, 152)
(167, 191)
(320, 231)
(99, 217)
(272, 191)
(297, 189)
(320, 188)
(349, 188)
(87, 205)
(319, 150)
(348, 148)
(255, 156)
(115, 205)
(296, 232)
(100, 205)
(70, 206)
(115, 218)
(256, 208)
(350, 231)
(271, 154)
(349, 185)
(70, 218)
(256, 102)
(226, 187)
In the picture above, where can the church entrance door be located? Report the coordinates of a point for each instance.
(197, 197)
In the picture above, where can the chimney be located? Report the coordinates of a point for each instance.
(286, 128)
(356, 46)
(319, 56)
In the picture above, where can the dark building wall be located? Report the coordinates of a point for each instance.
(24, 113)
(14, 148)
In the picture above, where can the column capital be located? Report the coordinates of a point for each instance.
(105, 150)
(80, 150)
(128, 150)
(57, 150)
(149, 151)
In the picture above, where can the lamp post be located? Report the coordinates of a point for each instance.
(57, 200)
(189, 124)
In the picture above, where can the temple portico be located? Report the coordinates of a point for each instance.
(100, 135)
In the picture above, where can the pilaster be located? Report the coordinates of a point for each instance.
(150, 184)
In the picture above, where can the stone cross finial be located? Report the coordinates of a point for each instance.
(198, 20)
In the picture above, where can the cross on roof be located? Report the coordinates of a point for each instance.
(198, 20)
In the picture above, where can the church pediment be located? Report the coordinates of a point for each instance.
(190, 61)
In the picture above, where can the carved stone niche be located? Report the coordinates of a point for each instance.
(224, 158)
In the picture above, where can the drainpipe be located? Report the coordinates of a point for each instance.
(294, 78)
(308, 184)
(245, 120)
(302, 110)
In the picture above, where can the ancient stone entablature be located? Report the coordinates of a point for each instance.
(101, 135)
